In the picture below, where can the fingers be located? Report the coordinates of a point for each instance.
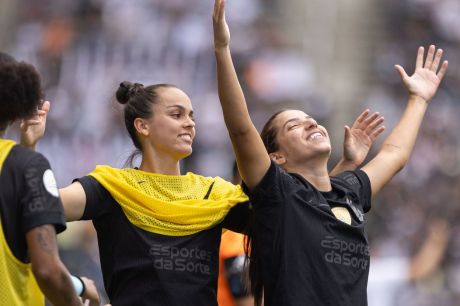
(371, 118)
(429, 57)
(437, 59)
(46, 106)
(373, 125)
(347, 132)
(216, 8)
(362, 116)
(419, 60)
(222, 10)
(377, 132)
(402, 72)
(364, 120)
(219, 9)
(443, 69)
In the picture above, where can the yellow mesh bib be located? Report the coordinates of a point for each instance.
(17, 282)
(168, 204)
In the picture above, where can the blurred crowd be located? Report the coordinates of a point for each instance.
(85, 48)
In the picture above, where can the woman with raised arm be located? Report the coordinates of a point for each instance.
(159, 230)
(309, 244)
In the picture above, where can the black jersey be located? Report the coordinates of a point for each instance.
(145, 268)
(28, 198)
(308, 256)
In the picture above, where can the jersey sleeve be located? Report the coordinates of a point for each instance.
(270, 191)
(97, 198)
(238, 218)
(359, 183)
(40, 197)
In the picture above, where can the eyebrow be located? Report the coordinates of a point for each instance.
(294, 119)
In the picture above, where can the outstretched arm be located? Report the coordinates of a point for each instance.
(397, 147)
(73, 196)
(251, 156)
(358, 141)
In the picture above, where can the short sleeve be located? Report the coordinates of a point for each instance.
(238, 218)
(359, 183)
(40, 197)
(97, 198)
(270, 190)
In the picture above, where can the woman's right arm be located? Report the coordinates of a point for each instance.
(73, 199)
(251, 156)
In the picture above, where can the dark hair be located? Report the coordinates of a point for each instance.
(252, 261)
(269, 133)
(20, 90)
(6, 58)
(138, 100)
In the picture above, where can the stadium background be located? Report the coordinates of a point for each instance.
(331, 59)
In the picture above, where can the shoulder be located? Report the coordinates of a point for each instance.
(22, 157)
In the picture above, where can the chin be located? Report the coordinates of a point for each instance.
(184, 153)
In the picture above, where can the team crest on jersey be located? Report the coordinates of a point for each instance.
(50, 183)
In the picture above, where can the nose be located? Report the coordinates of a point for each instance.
(310, 123)
(189, 122)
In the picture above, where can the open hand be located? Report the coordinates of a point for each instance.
(221, 31)
(360, 137)
(425, 81)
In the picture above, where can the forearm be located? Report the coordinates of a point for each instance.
(402, 138)
(51, 275)
(58, 287)
(231, 95)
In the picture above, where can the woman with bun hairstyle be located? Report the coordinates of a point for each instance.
(30, 209)
(309, 246)
(158, 229)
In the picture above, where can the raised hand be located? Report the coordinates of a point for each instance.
(426, 78)
(221, 31)
(360, 137)
(33, 129)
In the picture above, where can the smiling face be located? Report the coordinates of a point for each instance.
(172, 127)
(300, 138)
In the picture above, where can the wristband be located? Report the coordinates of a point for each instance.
(78, 285)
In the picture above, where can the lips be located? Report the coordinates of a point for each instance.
(186, 136)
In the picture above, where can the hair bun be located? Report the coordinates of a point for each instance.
(123, 92)
(126, 90)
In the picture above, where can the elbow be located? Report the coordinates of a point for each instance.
(400, 162)
(239, 133)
